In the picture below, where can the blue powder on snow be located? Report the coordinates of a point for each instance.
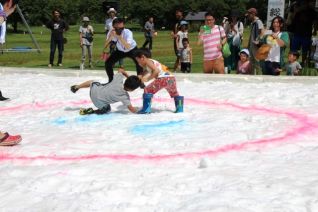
(157, 127)
(82, 119)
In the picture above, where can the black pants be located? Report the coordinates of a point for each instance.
(148, 40)
(270, 68)
(185, 67)
(60, 47)
(115, 57)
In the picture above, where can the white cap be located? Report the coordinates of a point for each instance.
(111, 10)
(85, 19)
(246, 51)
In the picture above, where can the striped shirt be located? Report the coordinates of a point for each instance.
(211, 42)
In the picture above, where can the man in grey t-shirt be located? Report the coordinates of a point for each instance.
(149, 29)
(102, 95)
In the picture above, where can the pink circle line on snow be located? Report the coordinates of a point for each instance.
(304, 125)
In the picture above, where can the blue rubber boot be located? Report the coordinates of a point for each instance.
(146, 107)
(178, 100)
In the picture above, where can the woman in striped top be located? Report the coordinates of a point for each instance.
(213, 38)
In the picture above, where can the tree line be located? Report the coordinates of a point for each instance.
(38, 12)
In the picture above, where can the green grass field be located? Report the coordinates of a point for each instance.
(162, 49)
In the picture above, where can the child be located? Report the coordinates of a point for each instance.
(102, 95)
(293, 67)
(244, 66)
(86, 41)
(152, 69)
(186, 56)
(182, 33)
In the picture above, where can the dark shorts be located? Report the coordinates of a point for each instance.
(270, 68)
(301, 42)
(186, 67)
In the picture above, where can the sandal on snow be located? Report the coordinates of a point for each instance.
(10, 140)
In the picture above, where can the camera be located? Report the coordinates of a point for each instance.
(119, 31)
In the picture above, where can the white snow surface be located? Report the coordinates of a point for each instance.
(243, 144)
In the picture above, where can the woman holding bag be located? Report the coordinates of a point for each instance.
(278, 41)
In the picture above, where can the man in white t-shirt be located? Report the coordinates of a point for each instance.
(125, 47)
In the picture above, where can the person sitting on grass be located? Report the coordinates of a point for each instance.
(102, 95)
(162, 78)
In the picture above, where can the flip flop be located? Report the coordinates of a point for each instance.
(10, 140)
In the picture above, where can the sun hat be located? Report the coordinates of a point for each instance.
(111, 10)
(245, 51)
(85, 19)
(183, 23)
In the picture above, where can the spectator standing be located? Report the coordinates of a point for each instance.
(303, 26)
(234, 31)
(213, 38)
(149, 29)
(278, 41)
(179, 18)
(6, 8)
(182, 33)
(57, 26)
(257, 28)
(125, 47)
(185, 56)
(109, 21)
(86, 42)
(108, 28)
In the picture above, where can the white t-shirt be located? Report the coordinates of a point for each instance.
(274, 53)
(181, 35)
(86, 31)
(128, 37)
(109, 24)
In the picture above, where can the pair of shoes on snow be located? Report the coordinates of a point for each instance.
(74, 89)
(10, 140)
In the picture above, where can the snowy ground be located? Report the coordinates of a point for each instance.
(243, 144)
